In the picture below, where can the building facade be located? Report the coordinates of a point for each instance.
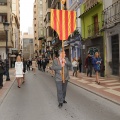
(38, 26)
(75, 39)
(91, 20)
(111, 28)
(5, 16)
(28, 46)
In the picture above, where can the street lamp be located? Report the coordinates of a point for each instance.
(6, 28)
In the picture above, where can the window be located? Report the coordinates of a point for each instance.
(3, 2)
(3, 18)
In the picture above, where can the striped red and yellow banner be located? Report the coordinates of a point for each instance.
(63, 22)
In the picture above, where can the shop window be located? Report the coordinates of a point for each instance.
(3, 18)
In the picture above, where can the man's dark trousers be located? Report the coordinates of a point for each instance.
(1, 80)
(61, 90)
(89, 71)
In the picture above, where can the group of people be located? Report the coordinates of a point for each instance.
(90, 63)
(94, 62)
(57, 65)
(23, 65)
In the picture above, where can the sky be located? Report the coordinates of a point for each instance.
(26, 14)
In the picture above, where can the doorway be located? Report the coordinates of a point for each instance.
(115, 54)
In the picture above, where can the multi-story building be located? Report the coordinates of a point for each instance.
(15, 31)
(28, 43)
(47, 28)
(38, 26)
(91, 28)
(5, 16)
(111, 28)
(75, 39)
(16, 23)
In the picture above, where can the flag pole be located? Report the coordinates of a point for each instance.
(63, 79)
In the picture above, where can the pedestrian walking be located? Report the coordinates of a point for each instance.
(1, 74)
(24, 69)
(79, 64)
(19, 70)
(96, 64)
(39, 64)
(34, 65)
(28, 65)
(44, 64)
(58, 63)
(75, 67)
(88, 64)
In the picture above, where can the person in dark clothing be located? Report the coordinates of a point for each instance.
(39, 64)
(1, 75)
(44, 64)
(79, 64)
(28, 65)
(88, 65)
(24, 69)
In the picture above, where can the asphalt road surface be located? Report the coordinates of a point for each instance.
(37, 100)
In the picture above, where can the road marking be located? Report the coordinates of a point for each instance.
(113, 92)
(109, 81)
(115, 87)
(83, 81)
(118, 83)
(96, 86)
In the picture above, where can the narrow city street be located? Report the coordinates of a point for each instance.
(37, 100)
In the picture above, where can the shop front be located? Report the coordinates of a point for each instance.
(75, 47)
(91, 46)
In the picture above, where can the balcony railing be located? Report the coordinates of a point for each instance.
(94, 30)
(111, 15)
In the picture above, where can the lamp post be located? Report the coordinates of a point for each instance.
(6, 28)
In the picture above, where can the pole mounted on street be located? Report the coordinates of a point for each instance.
(6, 28)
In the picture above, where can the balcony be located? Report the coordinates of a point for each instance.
(111, 15)
(94, 30)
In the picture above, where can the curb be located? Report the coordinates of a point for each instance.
(115, 102)
(6, 92)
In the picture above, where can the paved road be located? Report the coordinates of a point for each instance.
(36, 100)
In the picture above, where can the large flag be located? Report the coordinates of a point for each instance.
(63, 22)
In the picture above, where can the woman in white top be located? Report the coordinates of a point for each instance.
(19, 70)
(34, 65)
(75, 66)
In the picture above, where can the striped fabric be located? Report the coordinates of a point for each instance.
(63, 22)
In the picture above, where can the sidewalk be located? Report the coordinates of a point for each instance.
(108, 89)
(7, 85)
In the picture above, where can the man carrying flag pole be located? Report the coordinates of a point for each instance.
(64, 23)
